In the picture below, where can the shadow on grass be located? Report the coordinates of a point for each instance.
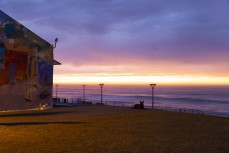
(38, 123)
(42, 113)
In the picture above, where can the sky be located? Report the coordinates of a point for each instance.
(132, 41)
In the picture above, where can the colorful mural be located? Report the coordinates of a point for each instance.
(26, 67)
(2, 56)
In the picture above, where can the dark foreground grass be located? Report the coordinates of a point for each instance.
(143, 131)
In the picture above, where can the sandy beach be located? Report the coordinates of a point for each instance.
(111, 129)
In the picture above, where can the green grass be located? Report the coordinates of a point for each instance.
(134, 131)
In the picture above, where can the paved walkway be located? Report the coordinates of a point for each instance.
(62, 114)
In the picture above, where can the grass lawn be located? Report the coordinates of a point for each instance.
(106, 129)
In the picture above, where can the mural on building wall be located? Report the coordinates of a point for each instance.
(26, 69)
(2, 56)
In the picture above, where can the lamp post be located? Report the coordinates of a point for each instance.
(56, 91)
(101, 85)
(84, 93)
(152, 86)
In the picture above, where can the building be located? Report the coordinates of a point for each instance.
(26, 67)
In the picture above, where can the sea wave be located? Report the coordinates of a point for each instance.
(192, 100)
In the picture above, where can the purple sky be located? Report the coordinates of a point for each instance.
(131, 37)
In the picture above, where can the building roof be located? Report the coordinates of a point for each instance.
(21, 31)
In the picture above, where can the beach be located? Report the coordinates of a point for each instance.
(112, 129)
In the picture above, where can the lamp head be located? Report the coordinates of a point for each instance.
(152, 85)
(56, 40)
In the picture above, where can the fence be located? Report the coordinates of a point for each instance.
(193, 111)
(77, 101)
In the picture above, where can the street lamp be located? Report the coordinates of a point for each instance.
(56, 91)
(56, 40)
(84, 93)
(101, 85)
(152, 86)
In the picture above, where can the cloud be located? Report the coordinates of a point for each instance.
(189, 35)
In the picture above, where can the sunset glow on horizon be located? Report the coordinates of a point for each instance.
(140, 80)
(135, 75)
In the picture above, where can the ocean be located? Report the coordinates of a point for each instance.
(214, 99)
